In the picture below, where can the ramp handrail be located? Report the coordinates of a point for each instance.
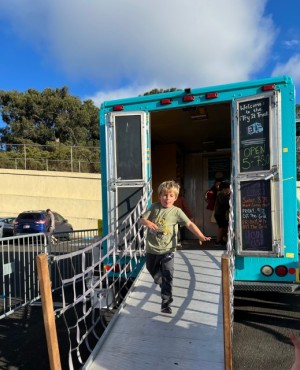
(102, 282)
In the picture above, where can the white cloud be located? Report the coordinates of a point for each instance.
(125, 92)
(169, 43)
(291, 68)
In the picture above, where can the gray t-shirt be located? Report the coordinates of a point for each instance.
(52, 220)
(167, 219)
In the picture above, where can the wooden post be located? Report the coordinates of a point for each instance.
(226, 312)
(48, 311)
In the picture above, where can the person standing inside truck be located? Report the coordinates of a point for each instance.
(181, 203)
(211, 194)
(221, 212)
(162, 220)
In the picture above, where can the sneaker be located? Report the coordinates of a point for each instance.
(165, 306)
(167, 309)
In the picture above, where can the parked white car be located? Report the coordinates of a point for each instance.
(7, 228)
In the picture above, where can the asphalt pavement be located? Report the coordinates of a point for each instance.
(263, 322)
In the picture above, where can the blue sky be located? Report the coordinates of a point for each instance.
(120, 48)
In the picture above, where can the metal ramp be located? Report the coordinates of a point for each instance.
(141, 337)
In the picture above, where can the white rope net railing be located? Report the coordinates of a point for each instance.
(91, 293)
(231, 254)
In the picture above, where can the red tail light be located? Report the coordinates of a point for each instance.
(40, 222)
(281, 270)
(117, 268)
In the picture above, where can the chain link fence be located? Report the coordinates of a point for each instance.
(55, 157)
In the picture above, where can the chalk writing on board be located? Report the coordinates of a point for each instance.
(254, 135)
(256, 222)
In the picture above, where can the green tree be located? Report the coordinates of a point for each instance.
(59, 125)
(159, 91)
(47, 116)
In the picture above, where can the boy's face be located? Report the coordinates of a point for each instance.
(167, 198)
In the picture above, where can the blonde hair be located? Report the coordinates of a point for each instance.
(168, 186)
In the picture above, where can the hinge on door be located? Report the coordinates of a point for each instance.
(274, 100)
(112, 184)
(277, 248)
(273, 173)
(110, 120)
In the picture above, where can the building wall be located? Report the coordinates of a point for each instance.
(76, 196)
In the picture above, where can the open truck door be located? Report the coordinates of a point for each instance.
(127, 162)
(259, 176)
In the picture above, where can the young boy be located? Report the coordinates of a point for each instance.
(162, 220)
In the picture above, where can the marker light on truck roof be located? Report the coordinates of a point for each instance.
(165, 101)
(188, 98)
(118, 108)
(268, 87)
(211, 95)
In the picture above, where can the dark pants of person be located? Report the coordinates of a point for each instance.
(161, 268)
(222, 221)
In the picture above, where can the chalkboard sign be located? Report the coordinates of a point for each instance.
(128, 147)
(254, 135)
(256, 221)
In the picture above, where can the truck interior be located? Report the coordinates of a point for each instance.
(191, 145)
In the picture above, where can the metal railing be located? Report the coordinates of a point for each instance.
(19, 284)
(54, 157)
(109, 268)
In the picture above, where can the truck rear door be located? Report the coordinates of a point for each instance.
(258, 175)
(128, 162)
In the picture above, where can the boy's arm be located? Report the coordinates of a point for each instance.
(148, 223)
(196, 231)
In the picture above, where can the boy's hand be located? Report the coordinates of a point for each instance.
(151, 225)
(205, 239)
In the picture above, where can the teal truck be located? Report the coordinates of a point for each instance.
(244, 131)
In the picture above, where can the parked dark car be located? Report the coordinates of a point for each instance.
(31, 222)
(6, 226)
